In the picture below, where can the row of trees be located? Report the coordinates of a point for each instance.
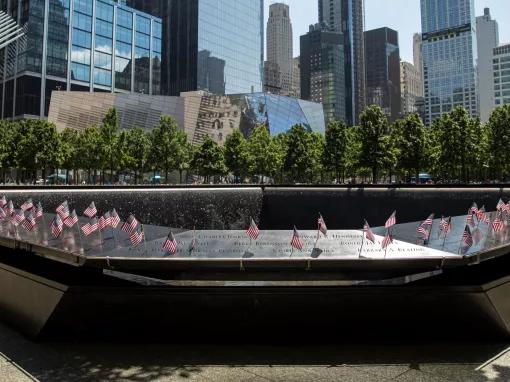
(455, 148)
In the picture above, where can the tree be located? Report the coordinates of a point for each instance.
(498, 141)
(89, 151)
(69, 146)
(138, 147)
(373, 129)
(209, 160)
(109, 131)
(266, 153)
(164, 145)
(237, 155)
(411, 144)
(7, 152)
(352, 153)
(335, 148)
(304, 153)
(183, 153)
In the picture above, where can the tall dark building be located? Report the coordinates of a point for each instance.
(383, 70)
(347, 17)
(213, 45)
(322, 70)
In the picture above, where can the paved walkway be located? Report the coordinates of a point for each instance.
(24, 360)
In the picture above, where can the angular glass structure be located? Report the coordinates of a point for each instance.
(449, 57)
(94, 45)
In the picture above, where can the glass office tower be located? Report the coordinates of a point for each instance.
(212, 45)
(449, 56)
(86, 45)
(347, 17)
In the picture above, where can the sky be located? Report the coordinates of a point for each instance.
(401, 15)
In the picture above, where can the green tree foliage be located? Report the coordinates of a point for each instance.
(109, 132)
(8, 131)
(266, 153)
(183, 153)
(304, 154)
(237, 155)
(69, 146)
(335, 148)
(411, 142)
(209, 160)
(89, 151)
(498, 142)
(164, 145)
(374, 129)
(138, 146)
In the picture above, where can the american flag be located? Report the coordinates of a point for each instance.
(369, 235)
(115, 218)
(71, 220)
(18, 218)
(3, 215)
(253, 231)
(322, 225)
(467, 238)
(296, 240)
(429, 221)
(506, 208)
(501, 205)
(480, 215)
(29, 223)
(470, 219)
(28, 205)
(39, 211)
(387, 240)
(170, 244)
(497, 224)
(445, 225)
(56, 226)
(91, 227)
(61, 208)
(136, 236)
(130, 224)
(90, 211)
(474, 208)
(105, 221)
(392, 220)
(3, 202)
(63, 212)
(424, 232)
(9, 209)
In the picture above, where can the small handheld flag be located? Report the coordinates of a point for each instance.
(29, 223)
(388, 239)
(424, 232)
(392, 220)
(56, 226)
(467, 238)
(39, 211)
(497, 224)
(130, 224)
(474, 208)
(18, 218)
(501, 205)
(296, 240)
(71, 220)
(3, 215)
(28, 205)
(9, 209)
(115, 219)
(322, 225)
(91, 227)
(170, 244)
(3, 202)
(63, 212)
(429, 221)
(90, 211)
(369, 235)
(62, 206)
(253, 231)
(105, 221)
(136, 236)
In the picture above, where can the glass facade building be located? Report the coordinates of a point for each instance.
(211, 45)
(501, 69)
(322, 71)
(383, 71)
(449, 57)
(85, 45)
(347, 17)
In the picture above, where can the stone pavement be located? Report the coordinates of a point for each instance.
(24, 360)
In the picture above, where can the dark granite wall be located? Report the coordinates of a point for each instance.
(272, 207)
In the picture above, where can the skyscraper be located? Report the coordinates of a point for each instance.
(449, 57)
(383, 70)
(347, 17)
(487, 36)
(410, 87)
(279, 49)
(417, 56)
(322, 70)
(501, 66)
(205, 41)
(94, 45)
